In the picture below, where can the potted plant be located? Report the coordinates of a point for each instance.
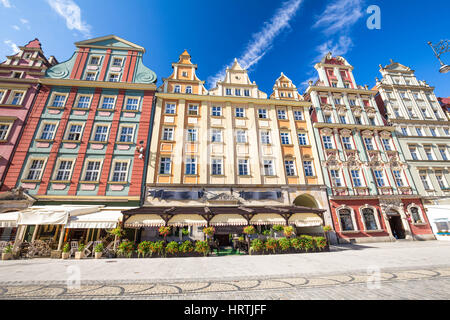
(257, 246)
(271, 244)
(99, 250)
(306, 242)
(202, 247)
(277, 229)
(284, 244)
(164, 232)
(80, 253)
(185, 232)
(117, 233)
(266, 233)
(144, 249)
(157, 247)
(320, 243)
(126, 249)
(7, 253)
(288, 231)
(186, 247)
(249, 230)
(295, 243)
(66, 251)
(172, 248)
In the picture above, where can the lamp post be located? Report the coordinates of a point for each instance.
(439, 49)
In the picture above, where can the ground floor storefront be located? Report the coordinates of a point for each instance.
(439, 216)
(380, 219)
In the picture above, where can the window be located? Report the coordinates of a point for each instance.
(387, 144)
(328, 118)
(90, 76)
(358, 120)
(48, 131)
(369, 219)
(345, 217)
(268, 168)
(95, 61)
(188, 89)
(132, 104)
(335, 178)
(346, 85)
(165, 165)
(379, 178)
(74, 132)
(117, 62)
(443, 152)
(433, 132)
(404, 131)
(170, 108)
(289, 166)
(191, 166)
(424, 112)
(397, 113)
(216, 135)
(298, 115)
(184, 74)
(334, 84)
(398, 178)
(265, 137)
(247, 93)
(327, 142)
(113, 77)
(35, 170)
(177, 89)
(216, 111)
(302, 140)
(352, 102)
(368, 142)
(355, 178)
(281, 114)
(447, 132)
(4, 129)
(239, 112)
(337, 101)
(241, 136)
(120, 171)
(64, 170)
(415, 214)
(424, 178)
(347, 143)
(168, 134)
(58, 100)
(193, 110)
(237, 92)
(101, 133)
(419, 132)
(243, 167)
(84, 102)
(228, 92)
(342, 119)
(372, 121)
(126, 134)
(285, 139)
(413, 152)
(192, 134)
(307, 165)
(411, 113)
(92, 171)
(429, 153)
(108, 103)
(216, 167)
(262, 113)
(440, 179)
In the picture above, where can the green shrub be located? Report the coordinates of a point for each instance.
(288, 231)
(186, 247)
(172, 247)
(157, 247)
(249, 230)
(185, 232)
(81, 247)
(284, 244)
(257, 245)
(126, 248)
(66, 248)
(8, 249)
(295, 243)
(320, 242)
(306, 242)
(278, 228)
(266, 233)
(144, 248)
(271, 244)
(202, 247)
(99, 247)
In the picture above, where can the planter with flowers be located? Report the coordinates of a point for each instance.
(66, 251)
(80, 253)
(99, 250)
(202, 247)
(256, 247)
(126, 249)
(164, 231)
(172, 249)
(7, 253)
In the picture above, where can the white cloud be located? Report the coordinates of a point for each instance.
(5, 3)
(339, 47)
(14, 47)
(262, 41)
(339, 16)
(24, 21)
(15, 27)
(71, 12)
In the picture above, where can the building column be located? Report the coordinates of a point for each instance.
(61, 237)
(35, 233)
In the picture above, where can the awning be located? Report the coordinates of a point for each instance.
(53, 215)
(99, 220)
(305, 220)
(9, 220)
(181, 220)
(228, 220)
(267, 219)
(144, 220)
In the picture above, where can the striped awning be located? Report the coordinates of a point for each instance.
(305, 220)
(144, 220)
(98, 220)
(181, 220)
(228, 220)
(267, 219)
(9, 220)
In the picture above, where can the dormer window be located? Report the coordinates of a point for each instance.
(113, 77)
(237, 92)
(188, 89)
(184, 74)
(95, 61)
(27, 55)
(228, 92)
(177, 89)
(17, 75)
(117, 62)
(247, 93)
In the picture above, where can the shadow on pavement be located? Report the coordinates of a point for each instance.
(349, 246)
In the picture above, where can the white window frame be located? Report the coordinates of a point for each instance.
(313, 174)
(281, 114)
(262, 113)
(419, 211)
(193, 163)
(86, 163)
(82, 95)
(28, 168)
(2, 95)
(375, 214)
(239, 112)
(8, 130)
(12, 96)
(298, 115)
(103, 101)
(244, 164)
(168, 132)
(53, 97)
(305, 135)
(192, 108)
(94, 131)
(42, 126)
(290, 167)
(170, 107)
(192, 134)
(268, 137)
(352, 215)
(90, 72)
(216, 132)
(241, 136)
(114, 59)
(283, 136)
(133, 135)
(113, 165)
(216, 111)
(268, 166)
(114, 74)
(165, 167)
(217, 163)
(69, 125)
(95, 57)
(137, 105)
(57, 168)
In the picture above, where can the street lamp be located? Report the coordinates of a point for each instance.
(439, 49)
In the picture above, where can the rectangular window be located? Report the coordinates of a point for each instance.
(132, 104)
(387, 144)
(48, 131)
(440, 179)
(443, 153)
(352, 102)
(191, 166)
(92, 171)
(241, 136)
(379, 177)
(64, 170)
(35, 170)
(372, 121)
(193, 110)
(347, 143)
(265, 137)
(165, 166)
(90, 76)
(243, 167)
(84, 102)
(424, 178)
(368, 142)
(298, 115)
(177, 89)
(335, 178)
(95, 61)
(168, 134)
(113, 77)
(228, 92)
(355, 178)
(327, 142)
(216, 111)
(285, 138)
(302, 140)
(101, 133)
(108, 103)
(239, 112)
(268, 168)
(404, 131)
(281, 114)
(247, 93)
(413, 152)
(4, 129)
(216, 135)
(429, 153)
(191, 135)
(342, 119)
(117, 62)
(74, 132)
(337, 101)
(188, 89)
(358, 120)
(216, 167)
(58, 100)
(289, 167)
(120, 171)
(398, 178)
(433, 132)
(170, 108)
(237, 92)
(262, 113)
(419, 132)
(126, 134)
(307, 165)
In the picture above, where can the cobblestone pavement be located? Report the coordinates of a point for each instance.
(422, 283)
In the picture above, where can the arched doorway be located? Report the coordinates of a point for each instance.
(306, 200)
(395, 222)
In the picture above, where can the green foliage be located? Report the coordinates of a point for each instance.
(257, 245)
(144, 248)
(288, 231)
(99, 247)
(271, 244)
(306, 242)
(320, 242)
(185, 232)
(209, 231)
(186, 247)
(66, 247)
(266, 233)
(81, 247)
(118, 232)
(8, 249)
(126, 248)
(284, 244)
(172, 247)
(241, 239)
(278, 228)
(327, 228)
(164, 231)
(202, 247)
(295, 243)
(157, 247)
(249, 230)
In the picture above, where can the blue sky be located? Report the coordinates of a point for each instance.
(268, 37)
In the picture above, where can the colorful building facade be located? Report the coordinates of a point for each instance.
(85, 142)
(230, 157)
(412, 109)
(371, 191)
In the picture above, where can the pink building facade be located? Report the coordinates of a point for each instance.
(19, 76)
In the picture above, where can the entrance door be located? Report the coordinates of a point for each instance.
(224, 240)
(397, 227)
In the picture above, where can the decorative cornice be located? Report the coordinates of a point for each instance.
(341, 90)
(351, 126)
(97, 84)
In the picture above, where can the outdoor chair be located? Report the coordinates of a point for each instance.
(86, 250)
(73, 247)
(3, 245)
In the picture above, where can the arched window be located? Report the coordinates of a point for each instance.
(369, 219)
(345, 216)
(415, 214)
